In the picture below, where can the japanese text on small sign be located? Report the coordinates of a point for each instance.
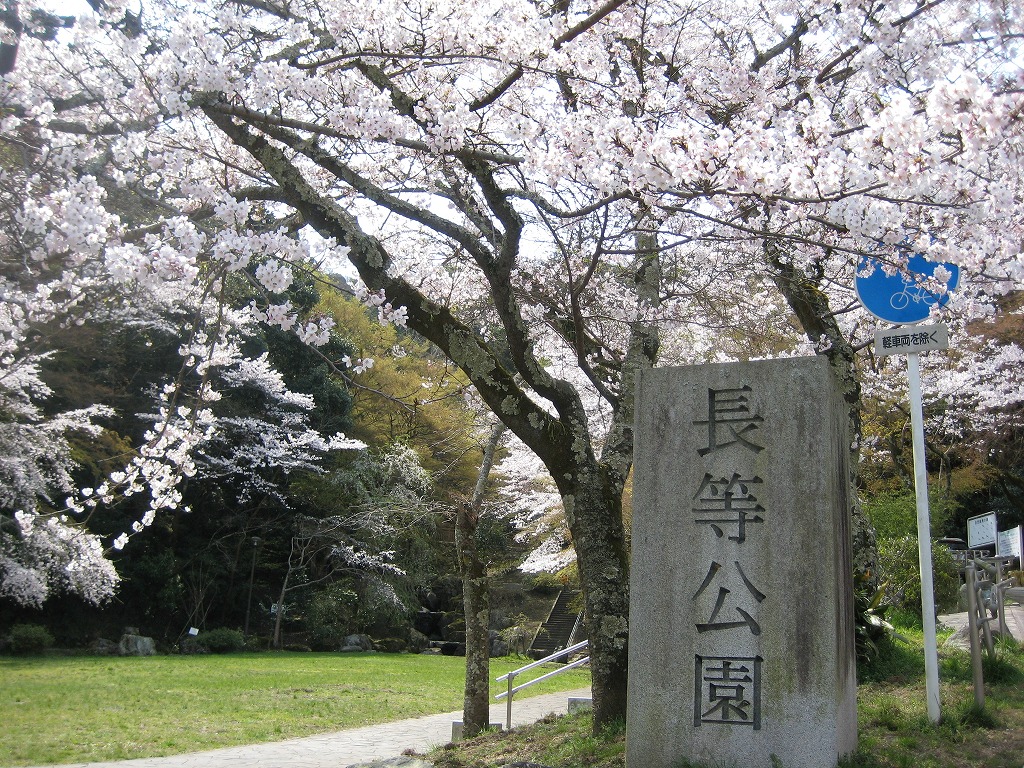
(920, 338)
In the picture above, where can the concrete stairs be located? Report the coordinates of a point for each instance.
(556, 631)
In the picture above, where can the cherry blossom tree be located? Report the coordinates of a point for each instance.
(556, 196)
(51, 284)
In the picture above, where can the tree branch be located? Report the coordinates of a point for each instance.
(547, 436)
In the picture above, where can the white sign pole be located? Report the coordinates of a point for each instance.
(924, 540)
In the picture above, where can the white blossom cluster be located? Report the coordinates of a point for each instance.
(52, 554)
(385, 312)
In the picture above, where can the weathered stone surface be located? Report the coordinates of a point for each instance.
(741, 622)
(961, 638)
(578, 703)
(499, 648)
(362, 642)
(137, 645)
(395, 762)
(418, 642)
(103, 647)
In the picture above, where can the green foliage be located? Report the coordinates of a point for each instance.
(893, 661)
(546, 583)
(29, 639)
(222, 640)
(382, 612)
(894, 515)
(898, 561)
(330, 616)
(869, 617)
(412, 395)
(519, 635)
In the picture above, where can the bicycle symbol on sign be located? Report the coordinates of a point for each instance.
(912, 292)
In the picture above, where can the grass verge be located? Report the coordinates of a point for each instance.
(894, 730)
(84, 709)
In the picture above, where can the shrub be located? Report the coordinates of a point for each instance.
(222, 640)
(519, 635)
(545, 583)
(330, 617)
(29, 639)
(898, 561)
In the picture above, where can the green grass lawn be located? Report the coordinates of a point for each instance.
(77, 709)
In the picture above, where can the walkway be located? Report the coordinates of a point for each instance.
(1014, 622)
(358, 745)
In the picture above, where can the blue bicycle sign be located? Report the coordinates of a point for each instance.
(903, 297)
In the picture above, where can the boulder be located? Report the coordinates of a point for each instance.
(418, 642)
(391, 645)
(363, 642)
(499, 647)
(136, 645)
(104, 647)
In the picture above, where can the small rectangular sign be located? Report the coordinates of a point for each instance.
(981, 530)
(1009, 543)
(911, 338)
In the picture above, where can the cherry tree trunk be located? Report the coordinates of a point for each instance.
(276, 641)
(593, 508)
(476, 608)
(476, 598)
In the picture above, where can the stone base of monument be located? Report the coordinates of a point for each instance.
(457, 729)
(576, 703)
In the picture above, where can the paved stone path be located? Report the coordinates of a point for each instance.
(1014, 622)
(358, 745)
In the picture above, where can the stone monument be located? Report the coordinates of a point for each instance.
(741, 642)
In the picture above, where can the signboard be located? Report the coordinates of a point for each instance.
(902, 297)
(911, 338)
(981, 530)
(1008, 543)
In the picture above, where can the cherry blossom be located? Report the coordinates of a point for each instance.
(556, 197)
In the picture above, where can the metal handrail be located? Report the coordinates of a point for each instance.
(511, 676)
(577, 626)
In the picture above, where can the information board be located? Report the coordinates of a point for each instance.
(1008, 543)
(981, 530)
